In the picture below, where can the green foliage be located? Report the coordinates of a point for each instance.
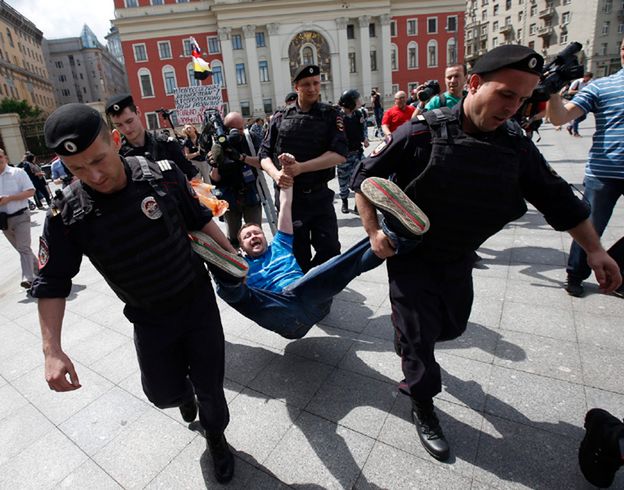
(21, 107)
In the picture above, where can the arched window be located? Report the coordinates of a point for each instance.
(412, 55)
(308, 55)
(169, 79)
(190, 70)
(145, 81)
(451, 52)
(217, 73)
(432, 53)
(394, 57)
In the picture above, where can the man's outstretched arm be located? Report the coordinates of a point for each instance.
(559, 114)
(284, 220)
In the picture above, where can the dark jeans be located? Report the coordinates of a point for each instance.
(617, 252)
(181, 353)
(602, 195)
(303, 303)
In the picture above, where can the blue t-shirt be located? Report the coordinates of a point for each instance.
(276, 268)
(605, 98)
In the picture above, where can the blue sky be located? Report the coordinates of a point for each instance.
(65, 18)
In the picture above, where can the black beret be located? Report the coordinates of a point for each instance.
(306, 71)
(290, 97)
(510, 56)
(117, 103)
(72, 128)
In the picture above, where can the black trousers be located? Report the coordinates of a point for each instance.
(314, 225)
(181, 353)
(617, 252)
(431, 302)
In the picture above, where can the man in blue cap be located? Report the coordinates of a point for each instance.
(470, 170)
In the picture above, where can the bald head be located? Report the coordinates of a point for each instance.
(234, 120)
(400, 99)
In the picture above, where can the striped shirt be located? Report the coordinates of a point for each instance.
(605, 98)
(276, 268)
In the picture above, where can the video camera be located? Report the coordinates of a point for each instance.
(556, 74)
(432, 87)
(225, 141)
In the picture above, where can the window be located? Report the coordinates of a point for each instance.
(267, 105)
(307, 56)
(546, 43)
(395, 88)
(217, 74)
(350, 31)
(62, 78)
(260, 41)
(245, 109)
(187, 49)
(411, 86)
(393, 28)
(603, 49)
(241, 78)
(494, 42)
(352, 66)
(145, 80)
(532, 28)
(164, 50)
(451, 23)
(237, 41)
(607, 7)
(484, 2)
(495, 26)
(169, 79)
(213, 45)
(140, 54)
(519, 35)
(65, 92)
(507, 4)
(483, 14)
(508, 20)
(495, 9)
(564, 38)
(152, 120)
(451, 51)
(264, 71)
(132, 3)
(533, 10)
(371, 30)
(432, 53)
(605, 27)
(412, 55)
(432, 25)
(394, 63)
(412, 27)
(620, 28)
(158, 2)
(190, 72)
(565, 18)
(373, 60)
(532, 44)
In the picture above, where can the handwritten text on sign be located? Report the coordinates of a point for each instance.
(191, 102)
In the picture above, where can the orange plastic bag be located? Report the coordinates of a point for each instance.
(205, 196)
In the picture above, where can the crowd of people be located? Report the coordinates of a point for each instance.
(439, 152)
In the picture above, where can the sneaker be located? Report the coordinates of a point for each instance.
(429, 430)
(574, 287)
(601, 450)
(215, 255)
(188, 410)
(222, 457)
(26, 284)
(394, 204)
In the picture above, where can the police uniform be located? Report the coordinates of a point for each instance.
(356, 132)
(307, 135)
(157, 145)
(470, 186)
(137, 239)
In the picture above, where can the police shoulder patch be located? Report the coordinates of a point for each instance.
(382, 146)
(44, 252)
(339, 123)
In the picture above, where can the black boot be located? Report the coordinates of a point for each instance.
(429, 430)
(345, 206)
(222, 457)
(188, 410)
(574, 287)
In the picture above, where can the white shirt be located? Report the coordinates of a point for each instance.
(13, 181)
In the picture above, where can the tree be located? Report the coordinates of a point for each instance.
(21, 107)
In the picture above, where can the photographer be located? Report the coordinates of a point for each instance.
(234, 174)
(604, 172)
(455, 79)
(194, 152)
(399, 113)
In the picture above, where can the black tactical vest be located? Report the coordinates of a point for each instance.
(354, 129)
(470, 188)
(304, 134)
(135, 238)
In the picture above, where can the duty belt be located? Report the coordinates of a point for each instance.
(16, 213)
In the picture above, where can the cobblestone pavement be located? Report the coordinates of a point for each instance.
(323, 411)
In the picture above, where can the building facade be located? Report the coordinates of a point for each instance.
(254, 47)
(548, 26)
(23, 72)
(82, 70)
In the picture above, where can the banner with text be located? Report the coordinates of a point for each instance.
(191, 102)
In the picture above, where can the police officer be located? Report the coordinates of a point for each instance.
(357, 135)
(130, 216)
(470, 170)
(312, 134)
(126, 118)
